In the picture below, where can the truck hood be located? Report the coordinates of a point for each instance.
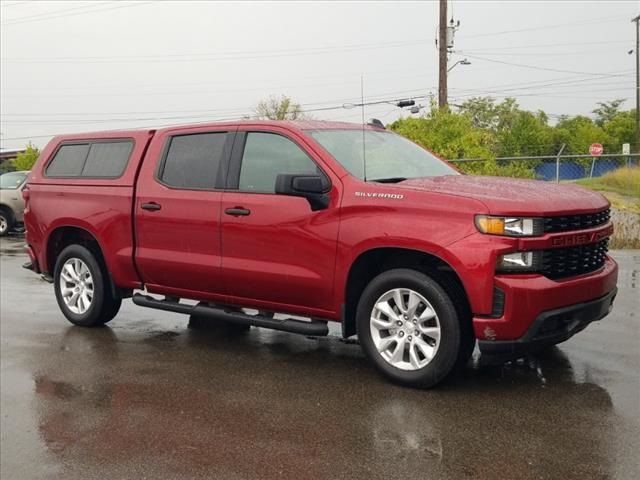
(509, 196)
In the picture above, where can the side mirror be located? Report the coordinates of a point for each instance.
(315, 188)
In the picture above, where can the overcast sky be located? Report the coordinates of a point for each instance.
(95, 65)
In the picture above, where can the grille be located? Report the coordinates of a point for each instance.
(567, 262)
(575, 222)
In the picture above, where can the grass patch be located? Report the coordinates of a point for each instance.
(624, 181)
(626, 230)
(622, 189)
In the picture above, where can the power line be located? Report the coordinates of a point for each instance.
(202, 113)
(207, 57)
(27, 20)
(553, 94)
(372, 100)
(534, 67)
(460, 94)
(7, 5)
(531, 54)
(539, 85)
(555, 45)
(239, 113)
(54, 12)
(547, 27)
(146, 87)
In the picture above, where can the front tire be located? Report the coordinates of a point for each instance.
(83, 289)
(409, 328)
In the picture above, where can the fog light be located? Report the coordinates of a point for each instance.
(518, 262)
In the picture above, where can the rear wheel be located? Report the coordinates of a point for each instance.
(409, 328)
(6, 221)
(83, 289)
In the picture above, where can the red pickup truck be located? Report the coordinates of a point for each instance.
(322, 220)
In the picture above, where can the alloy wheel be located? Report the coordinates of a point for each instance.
(76, 285)
(405, 329)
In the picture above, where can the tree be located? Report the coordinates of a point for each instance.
(527, 134)
(620, 129)
(485, 113)
(278, 108)
(607, 111)
(26, 159)
(447, 134)
(578, 133)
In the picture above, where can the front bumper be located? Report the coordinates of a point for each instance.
(528, 297)
(553, 326)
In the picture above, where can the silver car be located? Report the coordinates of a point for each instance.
(11, 201)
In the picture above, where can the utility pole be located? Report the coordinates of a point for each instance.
(442, 48)
(637, 20)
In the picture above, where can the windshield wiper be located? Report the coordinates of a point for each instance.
(389, 180)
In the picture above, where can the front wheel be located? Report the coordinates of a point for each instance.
(409, 328)
(82, 288)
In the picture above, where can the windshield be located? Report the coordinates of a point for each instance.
(11, 181)
(388, 156)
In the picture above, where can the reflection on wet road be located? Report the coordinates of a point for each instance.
(148, 397)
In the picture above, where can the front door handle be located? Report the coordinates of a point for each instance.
(152, 206)
(238, 211)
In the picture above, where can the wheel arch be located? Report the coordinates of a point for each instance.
(6, 207)
(64, 235)
(372, 262)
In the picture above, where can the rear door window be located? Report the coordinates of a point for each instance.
(193, 161)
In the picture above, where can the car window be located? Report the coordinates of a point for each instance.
(105, 159)
(68, 161)
(11, 181)
(193, 160)
(266, 155)
(386, 154)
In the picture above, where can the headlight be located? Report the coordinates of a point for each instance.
(509, 226)
(519, 262)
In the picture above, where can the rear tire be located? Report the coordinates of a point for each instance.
(83, 289)
(6, 221)
(409, 328)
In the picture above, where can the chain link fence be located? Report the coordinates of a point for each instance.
(551, 168)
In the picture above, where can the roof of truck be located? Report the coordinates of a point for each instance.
(290, 124)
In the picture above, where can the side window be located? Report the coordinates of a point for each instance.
(193, 161)
(68, 161)
(106, 159)
(266, 155)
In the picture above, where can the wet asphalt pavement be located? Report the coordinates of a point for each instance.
(148, 397)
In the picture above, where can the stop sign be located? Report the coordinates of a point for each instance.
(595, 150)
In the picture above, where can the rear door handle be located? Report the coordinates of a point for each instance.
(238, 211)
(153, 206)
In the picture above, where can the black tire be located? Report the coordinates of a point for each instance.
(6, 221)
(104, 305)
(453, 344)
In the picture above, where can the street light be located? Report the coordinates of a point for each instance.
(460, 62)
